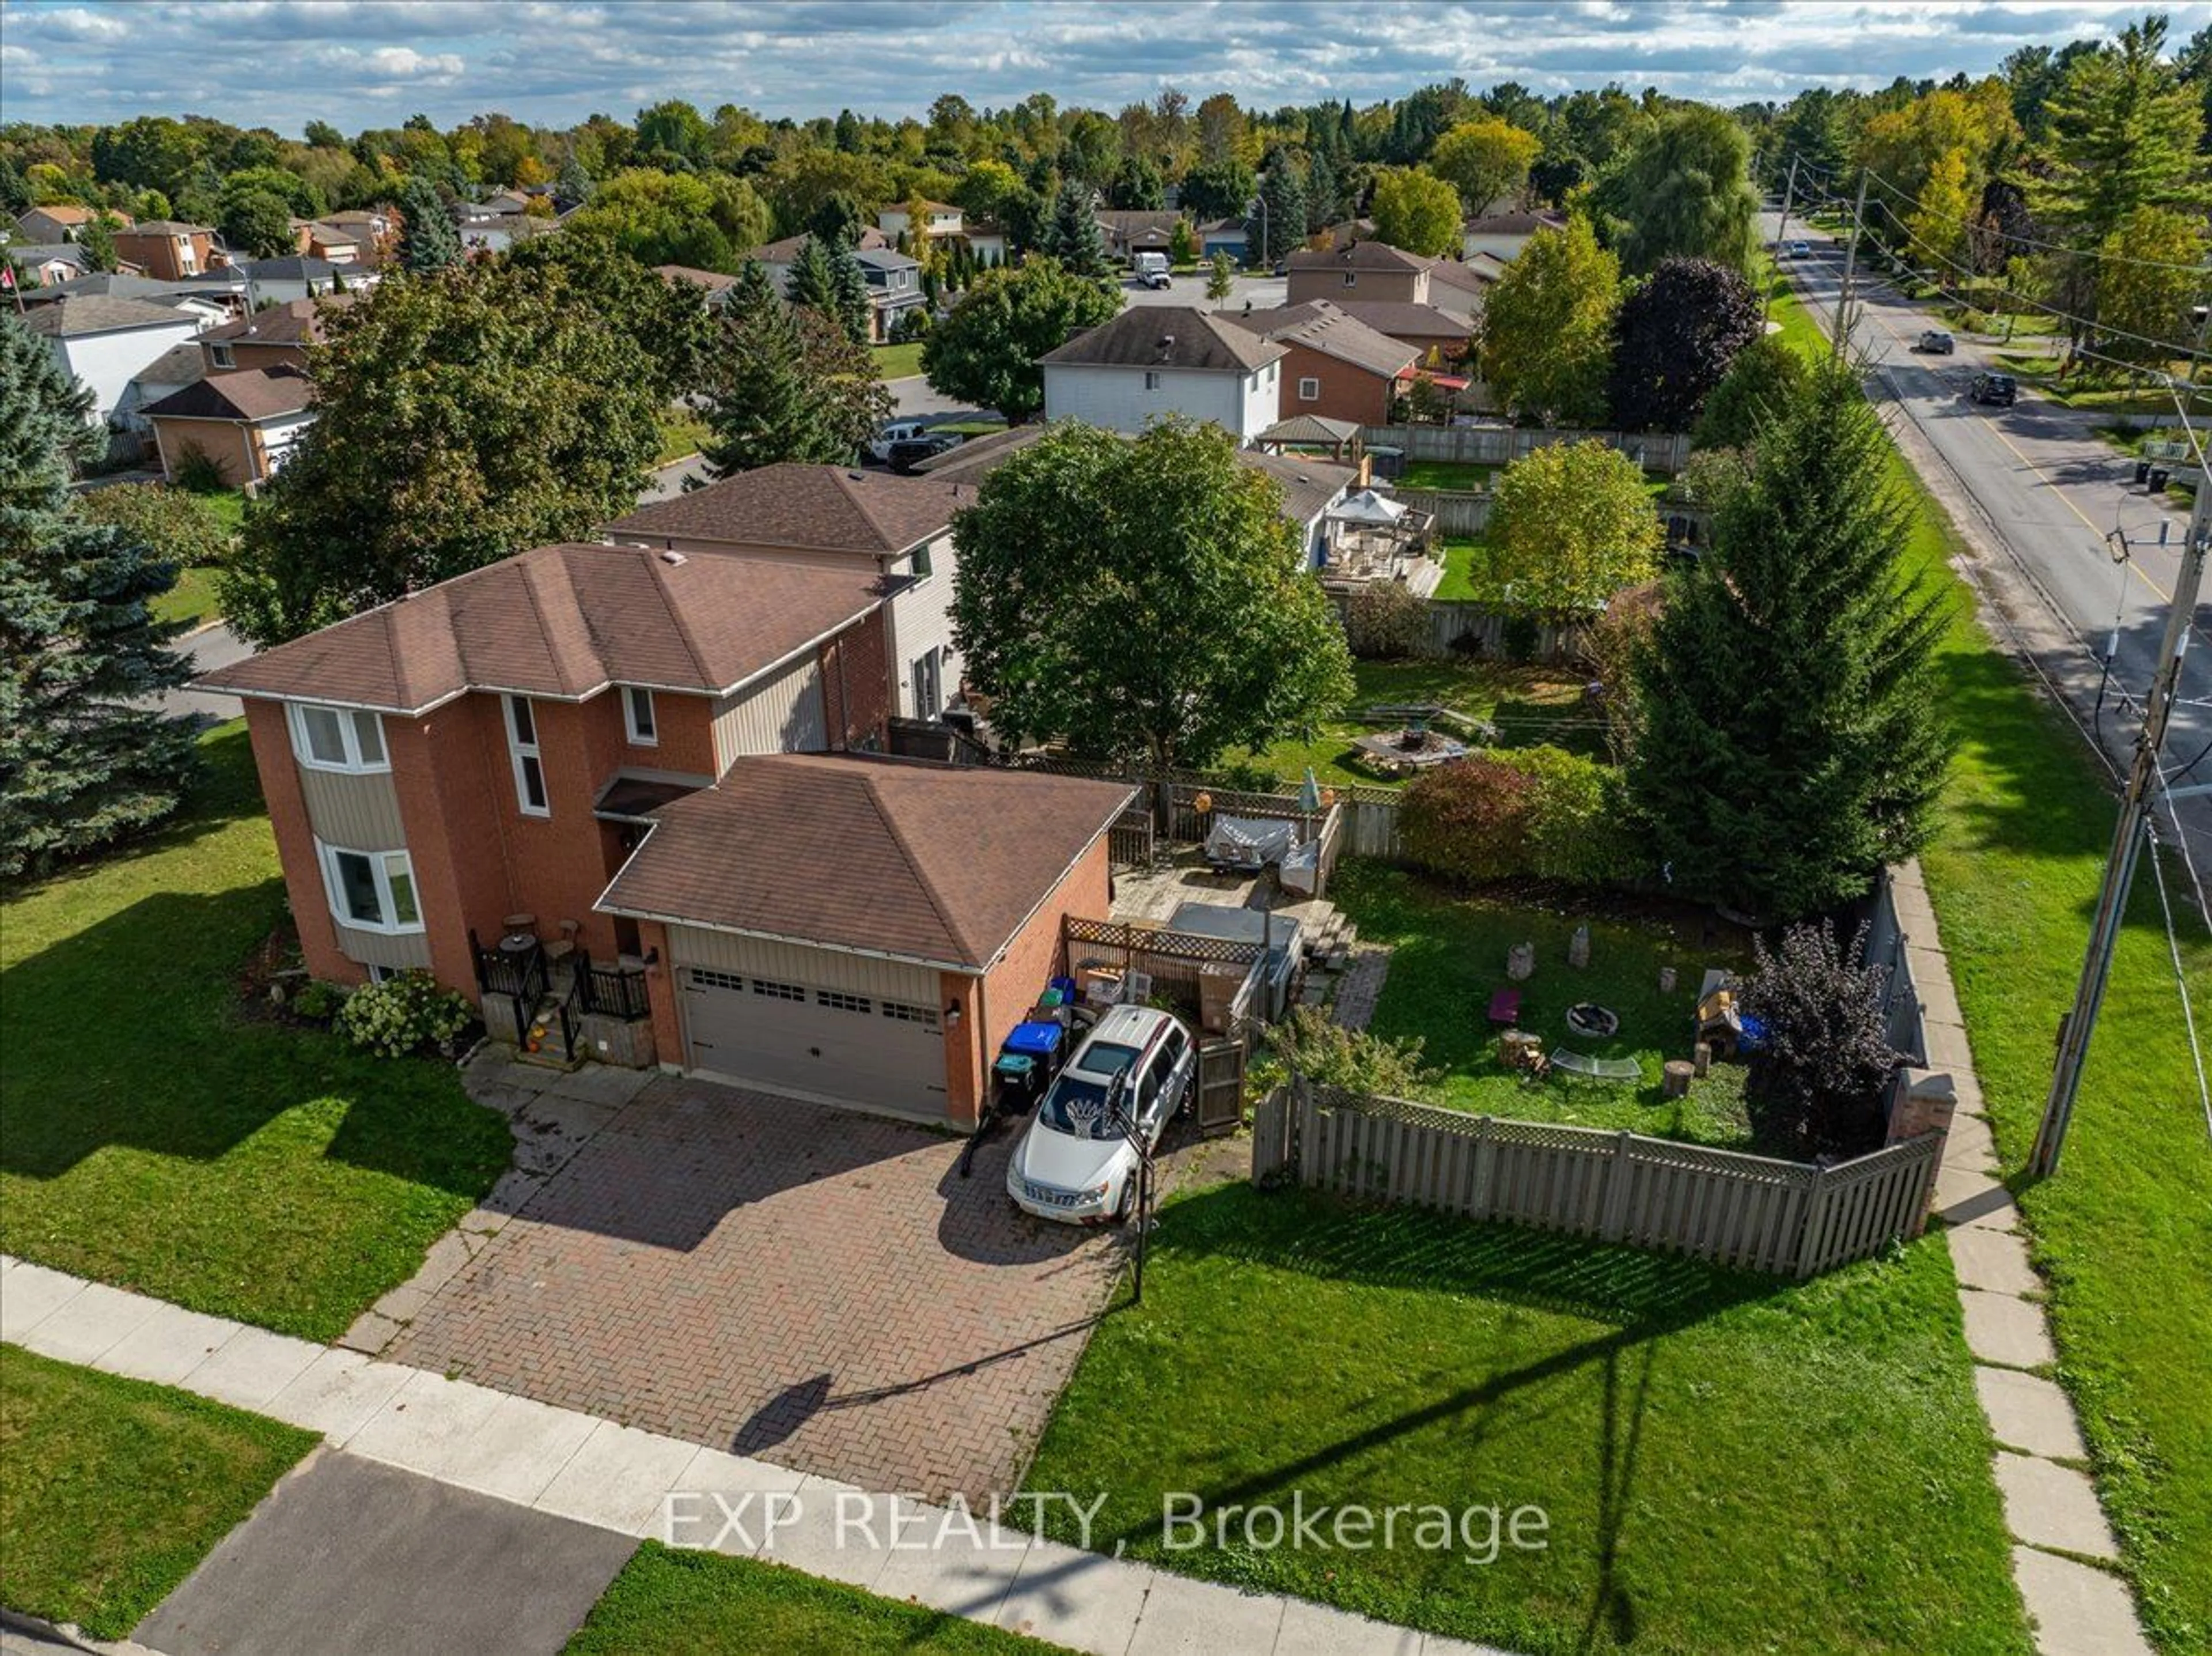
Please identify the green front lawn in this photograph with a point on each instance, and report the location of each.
(2123, 1231)
(703, 1604)
(1447, 957)
(897, 361)
(158, 1139)
(116, 1489)
(191, 600)
(1727, 1463)
(682, 431)
(1528, 705)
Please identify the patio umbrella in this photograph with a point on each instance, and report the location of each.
(1310, 800)
(1368, 507)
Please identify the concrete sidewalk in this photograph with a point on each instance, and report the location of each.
(615, 1477)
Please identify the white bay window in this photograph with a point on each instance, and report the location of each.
(373, 889)
(337, 738)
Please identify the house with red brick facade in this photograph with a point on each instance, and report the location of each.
(630, 799)
(1339, 367)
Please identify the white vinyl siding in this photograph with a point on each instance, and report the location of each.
(761, 958)
(782, 715)
(337, 738)
(370, 890)
(530, 794)
(921, 621)
(1120, 399)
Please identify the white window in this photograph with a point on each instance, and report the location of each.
(373, 889)
(1351, 278)
(637, 716)
(522, 749)
(1309, 389)
(337, 738)
(1151, 381)
(223, 358)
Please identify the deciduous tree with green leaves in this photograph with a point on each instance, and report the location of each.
(1143, 600)
(1762, 381)
(1791, 741)
(464, 416)
(1220, 279)
(2150, 272)
(1546, 332)
(786, 382)
(1572, 524)
(1685, 191)
(987, 351)
(83, 761)
(1416, 211)
(1484, 159)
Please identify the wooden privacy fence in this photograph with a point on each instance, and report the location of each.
(1501, 445)
(1792, 1218)
(1459, 624)
(1460, 514)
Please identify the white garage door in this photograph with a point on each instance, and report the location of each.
(836, 1044)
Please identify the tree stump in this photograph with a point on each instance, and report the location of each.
(1701, 1056)
(1578, 948)
(1678, 1073)
(1520, 962)
(1666, 980)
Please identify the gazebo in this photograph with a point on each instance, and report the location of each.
(1310, 434)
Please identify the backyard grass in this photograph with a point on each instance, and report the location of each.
(1446, 474)
(116, 1489)
(2123, 1231)
(682, 430)
(704, 1604)
(157, 1140)
(191, 600)
(1727, 1463)
(897, 361)
(1448, 957)
(1528, 705)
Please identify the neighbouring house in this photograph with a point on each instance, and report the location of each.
(275, 337)
(893, 289)
(48, 264)
(1502, 235)
(501, 202)
(61, 221)
(778, 256)
(1134, 230)
(715, 286)
(831, 516)
(1339, 367)
(318, 240)
(1460, 285)
(647, 757)
(281, 281)
(987, 241)
(1425, 329)
(106, 341)
(165, 375)
(169, 250)
(369, 229)
(941, 222)
(483, 231)
(1370, 271)
(861, 930)
(1223, 235)
(247, 422)
(208, 300)
(1153, 359)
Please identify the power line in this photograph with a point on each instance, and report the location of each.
(1983, 226)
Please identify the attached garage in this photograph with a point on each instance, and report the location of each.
(861, 929)
(795, 1019)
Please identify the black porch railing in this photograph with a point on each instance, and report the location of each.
(522, 975)
(612, 991)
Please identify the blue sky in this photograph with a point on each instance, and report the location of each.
(359, 63)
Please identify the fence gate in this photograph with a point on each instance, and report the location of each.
(1219, 1087)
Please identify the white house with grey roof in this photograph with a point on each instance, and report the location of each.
(106, 343)
(1155, 360)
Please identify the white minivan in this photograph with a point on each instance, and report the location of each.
(1076, 1163)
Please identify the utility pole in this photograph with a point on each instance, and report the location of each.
(1840, 335)
(1782, 234)
(2136, 801)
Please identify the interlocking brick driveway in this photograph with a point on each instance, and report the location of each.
(810, 1286)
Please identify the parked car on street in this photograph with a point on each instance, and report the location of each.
(1998, 388)
(1936, 341)
(1152, 270)
(911, 452)
(1076, 1163)
(898, 431)
(1800, 250)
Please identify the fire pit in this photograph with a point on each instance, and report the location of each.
(1414, 745)
(1591, 1021)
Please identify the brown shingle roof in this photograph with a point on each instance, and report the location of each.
(783, 251)
(1470, 279)
(256, 393)
(712, 281)
(295, 322)
(76, 314)
(1168, 336)
(821, 508)
(933, 863)
(565, 621)
(1391, 317)
(1320, 325)
(1356, 256)
(1308, 483)
(1513, 223)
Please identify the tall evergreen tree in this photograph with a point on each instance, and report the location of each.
(1073, 237)
(428, 240)
(2124, 135)
(1788, 740)
(813, 279)
(1283, 226)
(854, 311)
(84, 762)
(787, 384)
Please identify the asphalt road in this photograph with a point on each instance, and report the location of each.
(2035, 486)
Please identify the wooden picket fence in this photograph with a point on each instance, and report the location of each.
(1756, 1213)
(1501, 445)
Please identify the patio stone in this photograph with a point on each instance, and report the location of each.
(2079, 1610)
(1074, 1597)
(29, 1294)
(1994, 1261)
(2002, 1330)
(1970, 1144)
(2029, 1413)
(371, 1331)
(1947, 1047)
(2047, 1505)
(1183, 1617)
